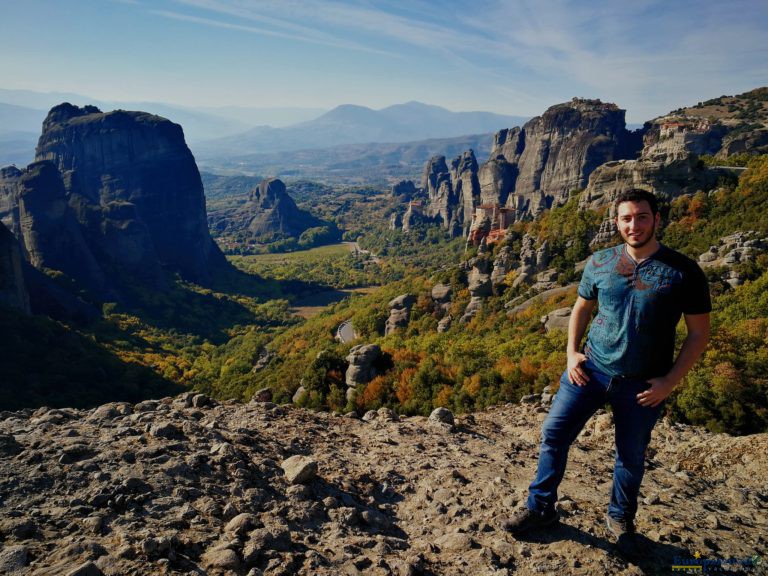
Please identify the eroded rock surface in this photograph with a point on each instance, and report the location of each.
(96, 491)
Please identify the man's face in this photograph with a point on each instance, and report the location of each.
(636, 223)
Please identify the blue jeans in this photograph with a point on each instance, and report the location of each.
(572, 407)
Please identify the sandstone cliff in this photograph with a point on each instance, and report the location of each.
(564, 146)
(135, 189)
(13, 291)
(269, 214)
(187, 485)
(532, 167)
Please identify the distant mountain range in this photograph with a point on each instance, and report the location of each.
(216, 134)
(22, 113)
(350, 124)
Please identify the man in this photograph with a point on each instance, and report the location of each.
(641, 288)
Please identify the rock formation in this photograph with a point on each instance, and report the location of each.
(667, 168)
(557, 319)
(441, 294)
(502, 265)
(529, 168)
(135, 189)
(563, 147)
(50, 234)
(361, 368)
(191, 486)
(479, 285)
(269, 214)
(13, 291)
(414, 215)
(399, 313)
(404, 191)
(731, 250)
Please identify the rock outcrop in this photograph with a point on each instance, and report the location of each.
(557, 319)
(186, 486)
(13, 291)
(731, 250)
(361, 368)
(562, 147)
(503, 264)
(135, 190)
(404, 191)
(529, 168)
(667, 168)
(479, 285)
(399, 313)
(269, 214)
(50, 234)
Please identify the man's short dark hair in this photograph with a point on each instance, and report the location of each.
(637, 195)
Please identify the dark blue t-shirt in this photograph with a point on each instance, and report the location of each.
(639, 306)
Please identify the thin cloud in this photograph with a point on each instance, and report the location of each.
(368, 25)
(313, 39)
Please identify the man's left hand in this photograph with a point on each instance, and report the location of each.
(660, 388)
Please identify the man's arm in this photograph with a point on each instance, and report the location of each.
(577, 325)
(692, 349)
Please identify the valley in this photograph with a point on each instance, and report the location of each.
(244, 285)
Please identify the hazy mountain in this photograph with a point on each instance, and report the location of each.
(350, 124)
(275, 117)
(24, 110)
(367, 163)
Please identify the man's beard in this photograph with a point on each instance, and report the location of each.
(637, 242)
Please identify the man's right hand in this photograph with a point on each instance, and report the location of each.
(576, 371)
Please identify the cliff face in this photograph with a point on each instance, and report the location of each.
(134, 188)
(49, 232)
(532, 167)
(269, 214)
(13, 291)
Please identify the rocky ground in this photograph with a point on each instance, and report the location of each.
(189, 486)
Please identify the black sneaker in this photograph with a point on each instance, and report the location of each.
(525, 519)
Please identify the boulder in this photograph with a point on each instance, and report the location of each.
(441, 416)
(300, 391)
(262, 395)
(557, 319)
(299, 469)
(361, 359)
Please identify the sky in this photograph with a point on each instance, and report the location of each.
(513, 57)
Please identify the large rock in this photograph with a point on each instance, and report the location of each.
(557, 319)
(663, 169)
(404, 191)
(135, 189)
(299, 469)
(502, 265)
(13, 291)
(442, 201)
(53, 238)
(566, 144)
(399, 313)
(361, 359)
(269, 214)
